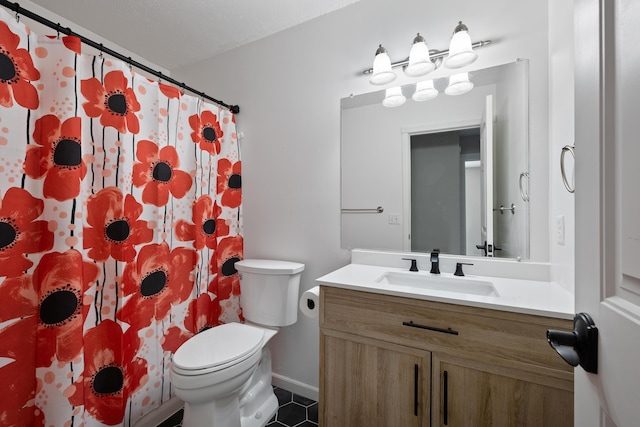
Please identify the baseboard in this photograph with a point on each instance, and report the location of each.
(161, 413)
(294, 386)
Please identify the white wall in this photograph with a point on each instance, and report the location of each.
(77, 28)
(288, 87)
(561, 121)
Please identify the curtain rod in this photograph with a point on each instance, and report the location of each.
(235, 109)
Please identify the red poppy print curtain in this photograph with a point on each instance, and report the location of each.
(120, 225)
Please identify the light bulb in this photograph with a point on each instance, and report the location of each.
(460, 50)
(394, 97)
(459, 84)
(424, 91)
(382, 73)
(419, 61)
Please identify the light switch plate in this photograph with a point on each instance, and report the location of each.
(394, 218)
(560, 229)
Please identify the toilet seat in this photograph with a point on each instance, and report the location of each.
(217, 348)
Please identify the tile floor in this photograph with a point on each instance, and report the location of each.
(293, 411)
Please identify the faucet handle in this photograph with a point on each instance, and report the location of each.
(459, 271)
(414, 266)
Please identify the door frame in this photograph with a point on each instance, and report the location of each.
(407, 133)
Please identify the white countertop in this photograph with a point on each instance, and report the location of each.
(516, 295)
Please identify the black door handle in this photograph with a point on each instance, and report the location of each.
(487, 249)
(579, 347)
(483, 247)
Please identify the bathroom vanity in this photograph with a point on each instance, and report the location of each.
(395, 353)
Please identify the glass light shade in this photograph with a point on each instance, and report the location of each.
(459, 84)
(460, 51)
(393, 97)
(424, 91)
(382, 72)
(419, 61)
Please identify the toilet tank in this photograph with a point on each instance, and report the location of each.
(269, 291)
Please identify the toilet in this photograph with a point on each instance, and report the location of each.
(223, 374)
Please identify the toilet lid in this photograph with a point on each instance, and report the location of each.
(218, 346)
(268, 266)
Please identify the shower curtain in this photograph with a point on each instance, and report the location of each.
(120, 225)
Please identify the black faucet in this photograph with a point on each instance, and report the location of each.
(435, 261)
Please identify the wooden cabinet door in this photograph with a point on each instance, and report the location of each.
(365, 383)
(468, 393)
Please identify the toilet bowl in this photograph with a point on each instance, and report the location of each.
(223, 374)
(211, 373)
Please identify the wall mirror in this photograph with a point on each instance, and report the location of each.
(450, 173)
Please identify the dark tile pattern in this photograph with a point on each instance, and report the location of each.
(293, 411)
(174, 420)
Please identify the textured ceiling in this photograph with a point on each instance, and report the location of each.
(177, 33)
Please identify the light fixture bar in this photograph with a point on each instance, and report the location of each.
(433, 54)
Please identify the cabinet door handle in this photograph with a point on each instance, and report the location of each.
(416, 376)
(445, 410)
(430, 328)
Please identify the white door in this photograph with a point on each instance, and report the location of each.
(607, 196)
(486, 168)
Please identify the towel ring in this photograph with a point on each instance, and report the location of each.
(571, 149)
(524, 194)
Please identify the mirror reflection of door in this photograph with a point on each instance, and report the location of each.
(451, 189)
(487, 238)
(446, 191)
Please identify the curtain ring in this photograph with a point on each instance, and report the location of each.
(130, 65)
(101, 51)
(571, 149)
(58, 30)
(17, 9)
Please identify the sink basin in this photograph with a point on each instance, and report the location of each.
(459, 285)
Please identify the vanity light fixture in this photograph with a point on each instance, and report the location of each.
(459, 84)
(419, 61)
(425, 91)
(382, 72)
(460, 50)
(393, 97)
